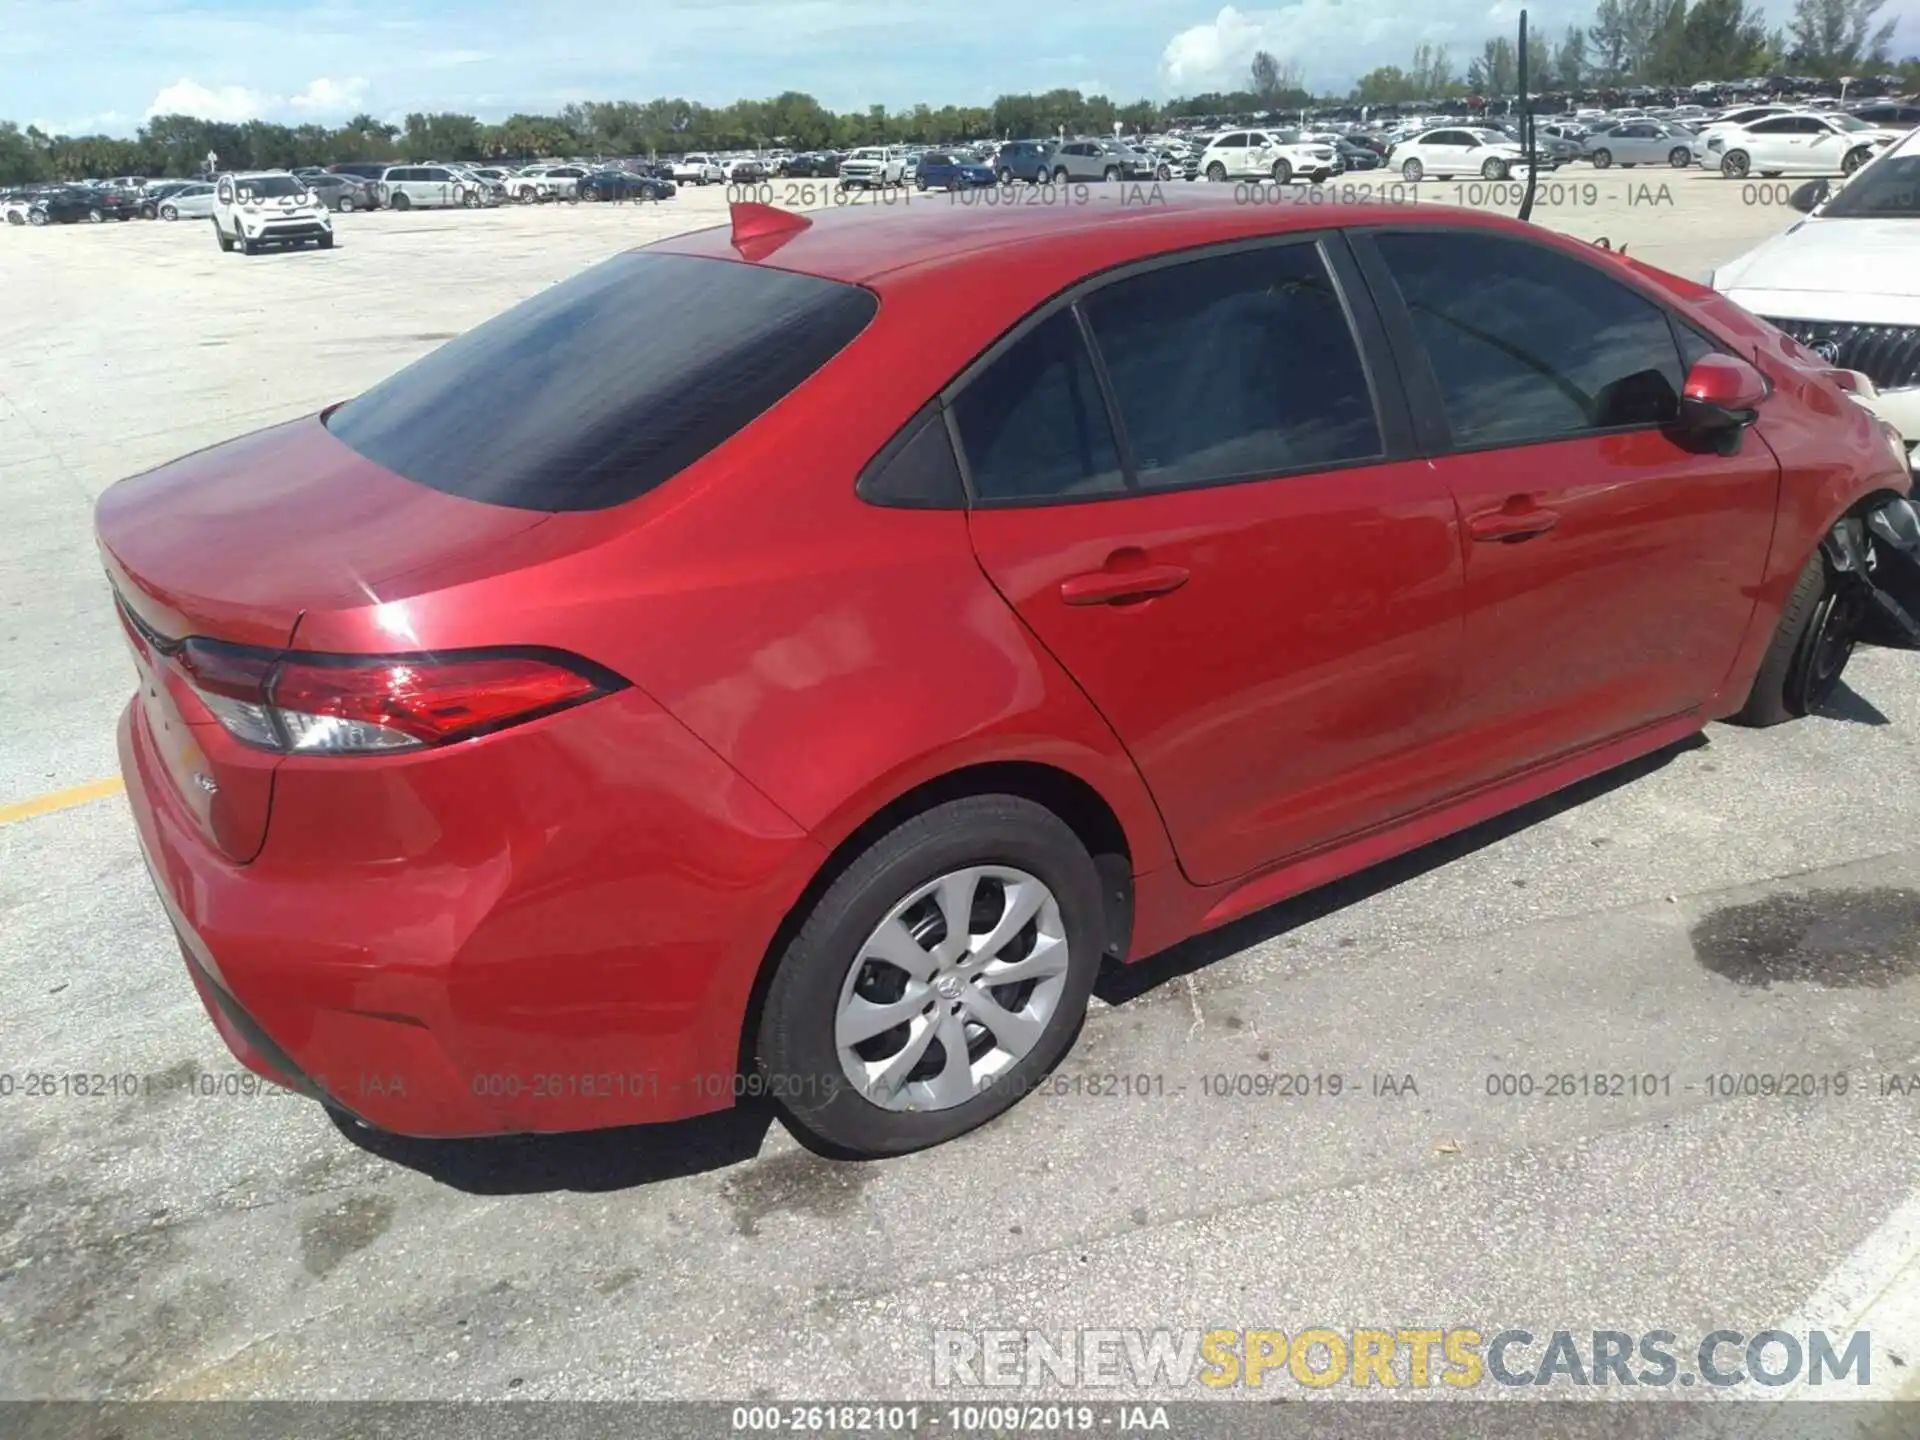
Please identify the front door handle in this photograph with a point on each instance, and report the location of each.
(1110, 587)
(1511, 523)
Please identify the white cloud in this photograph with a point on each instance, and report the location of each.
(235, 104)
(330, 97)
(230, 104)
(1329, 40)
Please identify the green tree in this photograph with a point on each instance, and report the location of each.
(1839, 37)
(1570, 63)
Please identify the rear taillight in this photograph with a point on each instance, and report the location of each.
(305, 704)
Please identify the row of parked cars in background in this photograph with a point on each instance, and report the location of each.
(350, 185)
(1811, 135)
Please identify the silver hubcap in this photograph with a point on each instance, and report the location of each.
(952, 988)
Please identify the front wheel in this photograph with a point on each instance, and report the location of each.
(226, 240)
(1736, 165)
(1060, 176)
(1854, 160)
(1680, 157)
(1818, 628)
(1110, 174)
(939, 978)
(1216, 172)
(1282, 173)
(402, 201)
(94, 217)
(1494, 169)
(169, 212)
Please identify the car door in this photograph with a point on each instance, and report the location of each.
(1247, 571)
(1629, 143)
(1448, 149)
(1230, 153)
(1610, 568)
(1771, 144)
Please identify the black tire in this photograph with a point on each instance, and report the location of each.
(1810, 649)
(795, 1045)
(1216, 172)
(1060, 176)
(1005, 176)
(248, 246)
(1679, 157)
(326, 242)
(1494, 169)
(1854, 159)
(1110, 175)
(94, 217)
(1413, 172)
(169, 212)
(1602, 159)
(226, 240)
(1736, 164)
(1282, 173)
(401, 200)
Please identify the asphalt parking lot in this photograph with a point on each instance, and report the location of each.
(1747, 906)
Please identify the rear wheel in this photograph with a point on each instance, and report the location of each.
(169, 212)
(1494, 169)
(94, 217)
(1216, 172)
(938, 978)
(1679, 157)
(1811, 646)
(1006, 176)
(1602, 159)
(401, 200)
(326, 242)
(1736, 164)
(1413, 172)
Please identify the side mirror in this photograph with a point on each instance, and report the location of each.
(1721, 398)
(1809, 195)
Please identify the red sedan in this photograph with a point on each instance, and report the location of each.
(788, 659)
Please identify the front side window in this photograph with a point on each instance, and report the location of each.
(1234, 366)
(1527, 344)
(1033, 424)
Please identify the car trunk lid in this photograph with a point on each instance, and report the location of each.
(199, 549)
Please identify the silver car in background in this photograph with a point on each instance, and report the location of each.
(1644, 142)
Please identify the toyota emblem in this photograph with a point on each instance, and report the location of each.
(1827, 350)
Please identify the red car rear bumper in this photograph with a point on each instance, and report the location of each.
(554, 928)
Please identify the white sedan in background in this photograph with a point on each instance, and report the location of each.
(1806, 143)
(1458, 150)
(1845, 282)
(194, 202)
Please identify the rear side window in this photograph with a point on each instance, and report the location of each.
(1527, 344)
(1033, 425)
(1233, 367)
(605, 385)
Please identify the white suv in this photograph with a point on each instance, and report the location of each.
(268, 207)
(1282, 155)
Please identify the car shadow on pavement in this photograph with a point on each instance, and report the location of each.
(587, 1161)
(1846, 703)
(1119, 984)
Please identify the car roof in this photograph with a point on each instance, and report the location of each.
(869, 246)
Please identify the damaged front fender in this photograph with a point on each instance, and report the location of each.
(1875, 554)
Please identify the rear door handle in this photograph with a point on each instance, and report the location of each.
(1511, 524)
(1108, 587)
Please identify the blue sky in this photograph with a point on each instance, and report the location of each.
(104, 65)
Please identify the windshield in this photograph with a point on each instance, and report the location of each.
(270, 187)
(1889, 189)
(1848, 122)
(1284, 137)
(869, 155)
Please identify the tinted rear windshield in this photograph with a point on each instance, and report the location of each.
(605, 385)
